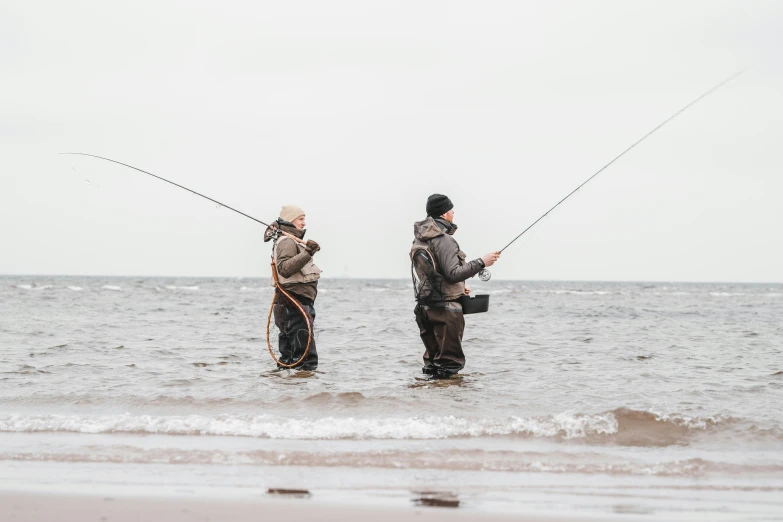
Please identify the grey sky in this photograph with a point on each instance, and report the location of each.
(357, 111)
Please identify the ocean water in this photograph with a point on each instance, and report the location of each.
(577, 396)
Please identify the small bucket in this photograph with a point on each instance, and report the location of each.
(475, 304)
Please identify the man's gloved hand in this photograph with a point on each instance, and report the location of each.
(312, 247)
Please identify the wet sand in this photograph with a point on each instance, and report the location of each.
(34, 507)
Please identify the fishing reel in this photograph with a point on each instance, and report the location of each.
(272, 233)
(485, 275)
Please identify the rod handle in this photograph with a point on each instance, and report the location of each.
(301, 242)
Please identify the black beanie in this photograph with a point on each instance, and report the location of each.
(438, 204)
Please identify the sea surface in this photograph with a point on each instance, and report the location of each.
(636, 400)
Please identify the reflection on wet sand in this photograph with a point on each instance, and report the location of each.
(436, 499)
(293, 493)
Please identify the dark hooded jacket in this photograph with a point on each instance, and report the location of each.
(290, 258)
(437, 235)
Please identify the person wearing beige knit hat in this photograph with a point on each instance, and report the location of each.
(298, 276)
(292, 213)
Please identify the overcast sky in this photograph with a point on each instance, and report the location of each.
(357, 111)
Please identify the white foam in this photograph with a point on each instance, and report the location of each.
(75, 288)
(573, 292)
(725, 294)
(566, 425)
(449, 459)
(25, 287)
(173, 287)
(111, 287)
(699, 423)
(497, 291)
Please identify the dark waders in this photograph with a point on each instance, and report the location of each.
(441, 331)
(292, 339)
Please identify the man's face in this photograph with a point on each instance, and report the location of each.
(299, 222)
(449, 216)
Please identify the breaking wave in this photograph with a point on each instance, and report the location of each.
(621, 427)
(33, 287)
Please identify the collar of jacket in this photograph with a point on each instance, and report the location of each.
(447, 227)
(287, 227)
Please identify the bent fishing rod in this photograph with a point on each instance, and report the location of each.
(189, 190)
(637, 142)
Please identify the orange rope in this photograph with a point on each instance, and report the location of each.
(269, 321)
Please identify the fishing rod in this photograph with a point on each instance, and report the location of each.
(186, 188)
(670, 118)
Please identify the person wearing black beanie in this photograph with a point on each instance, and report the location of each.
(439, 269)
(438, 204)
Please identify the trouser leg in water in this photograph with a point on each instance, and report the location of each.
(292, 339)
(441, 332)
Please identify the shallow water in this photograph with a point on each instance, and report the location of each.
(638, 380)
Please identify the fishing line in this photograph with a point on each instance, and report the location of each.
(670, 118)
(167, 181)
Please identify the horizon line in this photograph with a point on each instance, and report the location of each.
(672, 281)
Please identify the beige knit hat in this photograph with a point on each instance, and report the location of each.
(290, 213)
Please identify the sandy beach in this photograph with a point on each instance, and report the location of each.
(62, 508)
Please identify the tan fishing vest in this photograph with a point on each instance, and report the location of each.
(307, 274)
